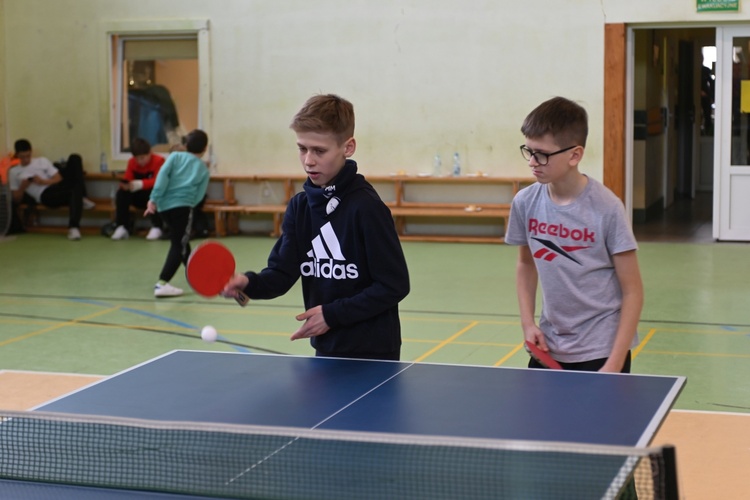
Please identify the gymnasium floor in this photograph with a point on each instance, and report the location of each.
(71, 312)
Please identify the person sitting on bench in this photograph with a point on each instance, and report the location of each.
(135, 189)
(42, 181)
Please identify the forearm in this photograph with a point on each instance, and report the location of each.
(629, 276)
(630, 314)
(281, 272)
(269, 283)
(526, 287)
(52, 180)
(17, 194)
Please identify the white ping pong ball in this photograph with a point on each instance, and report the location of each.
(209, 334)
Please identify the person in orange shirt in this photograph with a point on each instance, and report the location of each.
(5, 163)
(135, 190)
(9, 220)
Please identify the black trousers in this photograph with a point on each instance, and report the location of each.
(180, 221)
(585, 366)
(124, 199)
(69, 191)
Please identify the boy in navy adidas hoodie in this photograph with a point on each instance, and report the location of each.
(339, 237)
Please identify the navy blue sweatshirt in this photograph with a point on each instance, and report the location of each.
(342, 241)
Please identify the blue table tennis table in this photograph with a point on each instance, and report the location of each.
(394, 398)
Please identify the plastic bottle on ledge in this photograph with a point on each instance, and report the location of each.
(437, 165)
(456, 165)
(103, 163)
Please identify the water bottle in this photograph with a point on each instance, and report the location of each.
(103, 163)
(456, 165)
(437, 165)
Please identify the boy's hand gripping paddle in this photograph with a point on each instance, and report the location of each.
(542, 357)
(210, 266)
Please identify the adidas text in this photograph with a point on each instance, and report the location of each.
(328, 269)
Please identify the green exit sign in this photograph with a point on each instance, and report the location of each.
(718, 5)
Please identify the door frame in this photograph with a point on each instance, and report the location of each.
(617, 150)
(727, 209)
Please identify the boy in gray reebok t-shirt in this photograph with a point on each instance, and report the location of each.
(575, 240)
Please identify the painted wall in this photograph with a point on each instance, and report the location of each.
(425, 76)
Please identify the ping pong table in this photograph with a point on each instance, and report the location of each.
(372, 397)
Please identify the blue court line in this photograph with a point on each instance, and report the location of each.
(158, 317)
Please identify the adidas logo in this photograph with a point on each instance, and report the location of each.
(327, 259)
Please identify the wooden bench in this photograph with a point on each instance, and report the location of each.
(479, 200)
(400, 214)
(31, 215)
(400, 192)
(101, 188)
(439, 203)
(227, 214)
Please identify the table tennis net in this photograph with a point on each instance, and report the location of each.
(233, 461)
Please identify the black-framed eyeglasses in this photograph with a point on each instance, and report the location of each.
(541, 158)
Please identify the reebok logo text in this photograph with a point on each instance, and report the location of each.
(537, 228)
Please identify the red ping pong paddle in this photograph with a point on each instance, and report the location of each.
(542, 357)
(210, 266)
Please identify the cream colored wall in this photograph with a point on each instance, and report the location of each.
(662, 11)
(425, 76)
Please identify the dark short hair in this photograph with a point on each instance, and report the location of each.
(196, 142)
(326, 113)
(22, 145)
(563, 119)
(140, 146)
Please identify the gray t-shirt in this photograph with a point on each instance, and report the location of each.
(572, 246)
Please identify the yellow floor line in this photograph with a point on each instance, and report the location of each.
(446, 341)
(509, 355)
(645, 340)
(56, 326)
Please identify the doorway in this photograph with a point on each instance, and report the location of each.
(673, 72)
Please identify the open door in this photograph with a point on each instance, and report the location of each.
(732, 135)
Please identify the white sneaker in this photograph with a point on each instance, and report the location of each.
(153, 234)
(74, 234)
(166, 290)
(88, 204)
(120, 233)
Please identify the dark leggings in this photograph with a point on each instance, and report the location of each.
(124, 199)
(69, 191)
(180, 221)
(586, 366)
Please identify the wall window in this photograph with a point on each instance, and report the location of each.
(155, 80)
